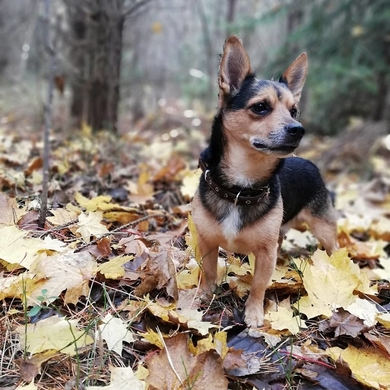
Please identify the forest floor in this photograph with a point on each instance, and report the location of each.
(105, 296)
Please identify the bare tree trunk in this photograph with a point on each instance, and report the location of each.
(78, 28)
(97, 29)
(105, 45)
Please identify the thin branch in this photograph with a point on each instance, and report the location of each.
(122, 227)
(48, 117)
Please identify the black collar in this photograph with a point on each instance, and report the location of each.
(239, 197)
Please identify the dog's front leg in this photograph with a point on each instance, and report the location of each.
(209, 253)
(265, 261)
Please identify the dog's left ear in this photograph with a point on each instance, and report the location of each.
(295, 75)
(233, 68)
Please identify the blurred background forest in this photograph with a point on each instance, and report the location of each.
(117, 63)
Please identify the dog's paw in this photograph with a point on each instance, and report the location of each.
(254, 317)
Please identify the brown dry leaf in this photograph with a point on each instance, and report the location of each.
(33, 165)
(10, 212)
(343, 323)
(31, 367)
(239, 363)
(380, 229)
(158, 272)
(380, 341)
(169, 171)
(66, 271)
(175, 368)
(133, 244)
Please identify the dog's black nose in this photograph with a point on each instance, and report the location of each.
(296, 131)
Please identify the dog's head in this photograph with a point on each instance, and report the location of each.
(262, 114)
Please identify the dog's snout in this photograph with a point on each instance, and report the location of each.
(296, 131)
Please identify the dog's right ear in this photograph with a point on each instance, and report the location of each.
(233, 68)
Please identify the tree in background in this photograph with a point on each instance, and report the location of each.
(96, 51)
(348, 42)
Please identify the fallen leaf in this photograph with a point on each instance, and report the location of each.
(340, 280)
(114, 331)
(158, 272)
(284, 319)
(343, 323)
(90, 225)
(18, 250)
(114, 269)
(53, 333)
(65, 271)
(368, 365)
(176, 368)
(122, 378)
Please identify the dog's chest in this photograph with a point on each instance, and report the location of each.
(231, 224)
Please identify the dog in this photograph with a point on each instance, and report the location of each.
(252, 190)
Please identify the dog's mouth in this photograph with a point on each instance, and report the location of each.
(279, 149)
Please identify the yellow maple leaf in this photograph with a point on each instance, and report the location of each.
(17, 250)
(90, 225)
(113, 269)
(188, 278)
(215, 342)
(153, 338)
(368, 365)
(284, 319)
(53, 333)
(101, 202)
(330, 282)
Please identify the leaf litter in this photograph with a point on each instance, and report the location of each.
(106, 296)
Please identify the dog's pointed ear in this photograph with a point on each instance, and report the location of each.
(233, 68)
(295, 75)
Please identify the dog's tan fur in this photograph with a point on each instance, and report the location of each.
(242, 164)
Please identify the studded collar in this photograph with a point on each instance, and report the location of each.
(239, 197)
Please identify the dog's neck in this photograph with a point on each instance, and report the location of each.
(245, 167)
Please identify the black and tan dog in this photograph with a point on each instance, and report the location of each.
(251, 192)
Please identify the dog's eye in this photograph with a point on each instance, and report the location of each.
(259, 108)
(294, 113)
